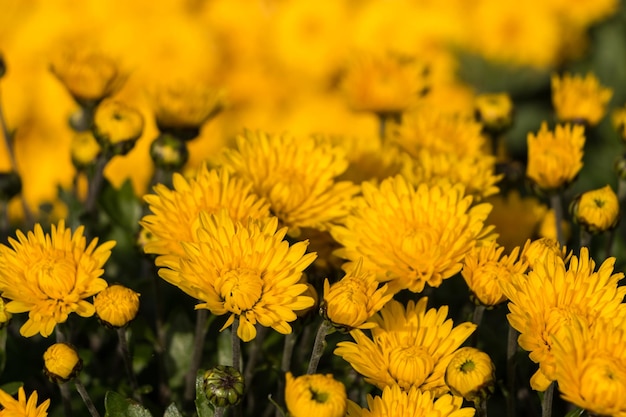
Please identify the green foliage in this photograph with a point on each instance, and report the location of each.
(118, 406)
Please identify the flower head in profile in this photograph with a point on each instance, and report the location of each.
(350, 302)
(116, 305)
(494, 111)
(296, 176)
(315, 395)
(51, 275)
(117, 126)
(484, 267)
(549, 298)
(471, 374)
(591, 366)
(578, 99)
(410, 347)
(245, 270)
(596, 210)
(175, 212)
(411, 236)
(22, 407)
(84, 149)
(555, 158)
(410, 403)
(61, 362)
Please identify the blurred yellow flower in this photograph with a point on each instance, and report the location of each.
(116, 305)
(351, 301)
(61, 362)
(315, 395)
(494, 111)
(585, 13)
(579, 100)
(51, 275)
(547, 226)
(410, 403)
(84, 149)
(597, 210)
(296, 176)
(471, 374)
(484, 267)
(22, 407)
(175, 211)
(245, 270)
(591, 366)
(411, 236)
(618, 118)
(117, 125)
(555, 158)
(544, 303)
(410, 347)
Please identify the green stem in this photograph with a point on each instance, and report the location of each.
(86, 398)
(546, 404)
(557, 206)
(318, 347)
(202, 315)
(96, 181)
(481, 408)
(219, 411)
(477, 317)
(128, 363)
(585, 238)
(236, 341)
(511, 350)
(285, 366)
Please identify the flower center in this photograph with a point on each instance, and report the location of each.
(410, 366)
(467, 366)
(240, 289)
(318, 396)
(55, 276)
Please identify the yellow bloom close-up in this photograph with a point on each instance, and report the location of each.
(245, 270)
(410, 347)
(315, 395)
(61, 362)
(116, 305)
(471, 374)
(555, 157)
(411, 236)
(578, 99)
(597, 210)
(22, 407)
(51, 275)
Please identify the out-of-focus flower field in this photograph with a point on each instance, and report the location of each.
(297, 208)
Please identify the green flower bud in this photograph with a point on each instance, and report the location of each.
(168, 152)
(224, 386)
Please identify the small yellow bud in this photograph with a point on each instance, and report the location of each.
(597, 210)
(471, 374)
(84, 149)
(534, 252)
(116, 305)
(61, 362)
(494, 111)
(117, 126)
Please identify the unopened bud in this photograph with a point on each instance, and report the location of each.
(168, 152)
(61, 362)
(224, 386)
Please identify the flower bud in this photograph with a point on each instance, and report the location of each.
(596, 211)
(84, 150)
(10, 185)
(5, 316)
(117, 126)
(223, 386)
(61, 362)
(471, 374)
(494, 111)
(116, 305)
(168, 152)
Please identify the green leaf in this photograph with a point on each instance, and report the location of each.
(575, 413)
(178, 348)
(225, 347)
(11, 387)
(117, 405)
(172, 411)
(121, 205)
(202, 402)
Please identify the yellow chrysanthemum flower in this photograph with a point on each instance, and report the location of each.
(484, 267)
(591, 366)
(410, 347)
(117, 125)
(315, 395)
(84, 149)
(296, 176)
(536, 251)
(555, 158)
(411, 236)
(471, 374)
(51, 275)
(350, 302)
(579, 100)
(61, 362)
(242, 269)
(175, 212)
(547, 300)
(22, 407)
(494, 111)
(596, 210)
(116, 305)
(412, 403)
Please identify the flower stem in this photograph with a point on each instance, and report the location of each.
(219, 411)
(477, 317)
(557, 206)
(96, 181)
(198, 345)
(585, 238)
(86, 398)
(236, 341)
(481, 408)
(546, 404)
(318, 347)
(121, 334)
(511, 349)
(285, 365)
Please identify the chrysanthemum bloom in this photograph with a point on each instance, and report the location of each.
(476, 174)
(411, 236)
(61, 362)
(296, 175)
(536, 251)
(596, 210)
(117, 126)
(22, 407)
(471, 374)
(245, 270)
(350, 302)
(116, 305)
(591, 366)
(411, 403)
(545, 302)
(84, 149)
(555, 158)
(175, 212)
(410, 347)
(315, 395)
(51, 275)
(579, 100)
(484, 267)
(494, 111)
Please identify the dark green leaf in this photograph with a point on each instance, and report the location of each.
(172, 411)
(11, 387)
(575, 413)
(202, 402)
(117, 405)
